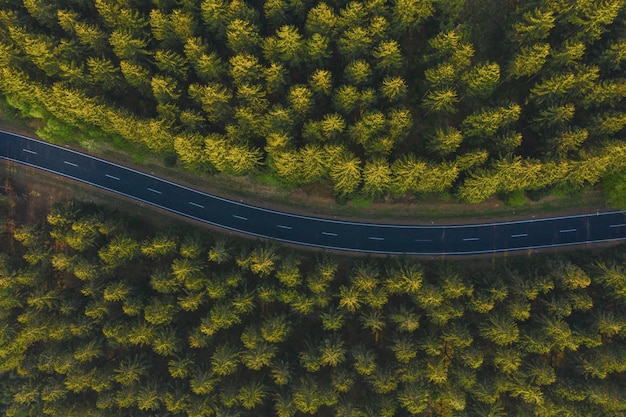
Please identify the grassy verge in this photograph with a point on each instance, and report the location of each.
(35, 192)
(317, 199)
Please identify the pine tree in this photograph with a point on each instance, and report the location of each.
(500, 329)
(332, 126)
(404, 348)
(308, 396)
(202, 381)
(242, 36)
(592, 19)
(354, 43)
(332, 352)
(275, 329)
(225, 359)
(364, 360)
(289, 45)
(388, 56)
(345, 173)
(446, 141)
(130, 370)
(214, 99)
(252, 394)
(258, 357)
(394, 89)
(487, 123)
(569, 55)
(482, 80)
(171, 63)
(301, 99)
(214, 16)
(120, 250)
(321, 19)
(441, 101)
(534, 26)
(104, 73)
(376, 177)
(128, 47)
(346, 99)
(407, 15)
(529, 60)
(357, 72)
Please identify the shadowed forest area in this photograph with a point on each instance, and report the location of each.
(106, 314)
(376, 98)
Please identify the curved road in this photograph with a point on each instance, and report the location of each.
(312, 231)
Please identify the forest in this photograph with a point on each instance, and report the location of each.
(103, 314)
(106, 313)
(374, 97)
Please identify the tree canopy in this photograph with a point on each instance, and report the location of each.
(102, 315)
(385, 81)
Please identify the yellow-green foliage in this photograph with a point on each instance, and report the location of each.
(235, 86)
(186, 321)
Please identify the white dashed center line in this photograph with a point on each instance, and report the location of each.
(196, 204)
(112, 177)
(70, 163)
(520, 235)
(280, 226)
(329, 234)
(469, 239)
(567, 230)
(29, 151)
(155, 191)
(376, 238)
(240, 217)
(423, 240)
(618, 225)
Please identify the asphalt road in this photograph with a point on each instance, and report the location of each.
(312, 231)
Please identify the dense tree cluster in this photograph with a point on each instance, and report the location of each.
(100, 320)
(376, 96)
